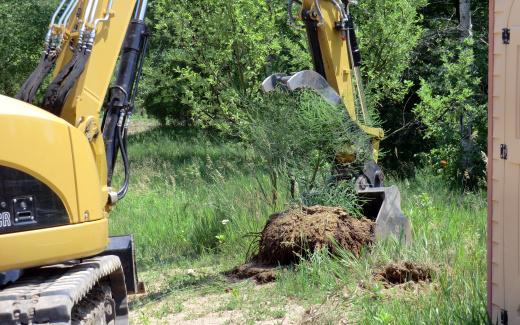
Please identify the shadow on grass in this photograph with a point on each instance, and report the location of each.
(179, 148)
(207, 283)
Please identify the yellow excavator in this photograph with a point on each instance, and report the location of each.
(58, 264)
(337, 78)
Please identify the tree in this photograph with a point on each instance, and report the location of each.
(388, 31)
(465, 26)
(209, 57)
(205, 69)
(23, 25)
(452, 106)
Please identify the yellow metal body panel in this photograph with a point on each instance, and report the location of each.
(59, 155)
(66, 153)
(86, 98)
(54, 152)
(335, 55)
(53, 245)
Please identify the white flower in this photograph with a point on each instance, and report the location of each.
(225, 222)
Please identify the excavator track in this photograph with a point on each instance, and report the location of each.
(49, 295)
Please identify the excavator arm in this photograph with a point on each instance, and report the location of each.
(336, 77)
(336, 58)
(82, 46)
(56, 168)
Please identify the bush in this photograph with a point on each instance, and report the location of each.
(388, 32)
(297, 136)
(207, 70)
(455, 118)
(209, 57)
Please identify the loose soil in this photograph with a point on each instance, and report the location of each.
(293, 234)
(403, 272)
(253, 270)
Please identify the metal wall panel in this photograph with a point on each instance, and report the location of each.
(504, 185)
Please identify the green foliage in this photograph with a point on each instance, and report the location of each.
(191, 194)
(208, 70)
(388, 32)
(23, 25)
(455, 117)
(457, 294)
(440, 43)
(209, 57)
(190, 183)
(299, 135)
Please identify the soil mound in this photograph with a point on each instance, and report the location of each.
(295, 233)
(399, 273)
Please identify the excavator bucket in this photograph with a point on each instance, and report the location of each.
(383, 205)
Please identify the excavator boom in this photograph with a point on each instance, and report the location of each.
(337, 78)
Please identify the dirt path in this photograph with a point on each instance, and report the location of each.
(206, 296)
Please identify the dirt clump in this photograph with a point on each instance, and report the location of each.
(297, 232)
(293, 234)
(260, 273)
(403, 272)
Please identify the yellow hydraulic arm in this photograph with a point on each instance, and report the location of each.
(64, 150)
(336, 59)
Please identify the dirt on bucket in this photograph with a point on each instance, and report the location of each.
(403, 272)
(297, 232)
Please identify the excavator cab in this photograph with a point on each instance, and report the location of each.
(337, 79)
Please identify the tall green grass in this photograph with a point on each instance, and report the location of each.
(448, 235)
(189, 195)
(194, 196)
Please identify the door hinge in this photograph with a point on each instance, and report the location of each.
(503, 317)
(503, 151)
(506, 35)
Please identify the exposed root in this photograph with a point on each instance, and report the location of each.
(298, 232)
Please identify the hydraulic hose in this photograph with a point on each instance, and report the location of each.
(92, 36)
(121, 97)
(93, 12)
(28, 90)
(52, 49)
(140, 11)
(124, 154)
(68, 12)
(53, 20)
(340, 8)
